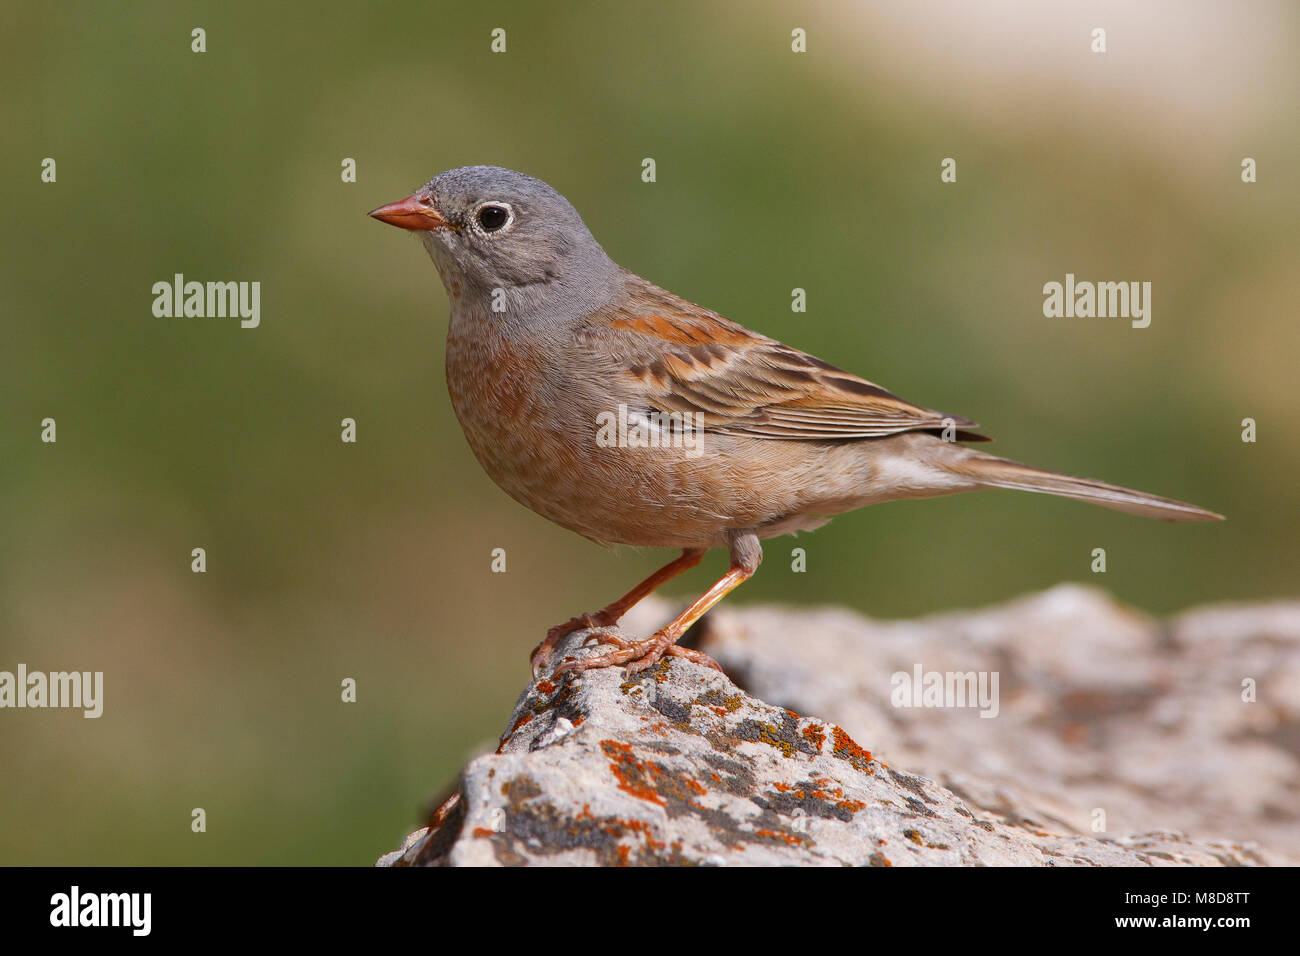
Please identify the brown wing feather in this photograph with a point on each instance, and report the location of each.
(689, 359)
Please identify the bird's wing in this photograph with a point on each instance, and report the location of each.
(684, 358)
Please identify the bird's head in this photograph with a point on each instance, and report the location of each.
(489, 229)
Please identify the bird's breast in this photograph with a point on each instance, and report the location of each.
(519, 420)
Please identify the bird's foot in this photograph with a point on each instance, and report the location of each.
(637, 655)
(541, 655)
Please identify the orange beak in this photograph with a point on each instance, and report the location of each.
(409, 213)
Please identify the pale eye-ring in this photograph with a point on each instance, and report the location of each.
(494, 216)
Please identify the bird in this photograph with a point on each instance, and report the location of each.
(633, 416)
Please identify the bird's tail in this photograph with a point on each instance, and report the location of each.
(990, 472)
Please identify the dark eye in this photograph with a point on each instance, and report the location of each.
(492, 217)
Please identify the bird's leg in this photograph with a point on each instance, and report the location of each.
(638, 655)
(610, 615)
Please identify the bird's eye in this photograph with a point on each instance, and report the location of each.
(493, 216)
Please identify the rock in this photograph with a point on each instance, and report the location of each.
(1105, 714)
(1102, 714)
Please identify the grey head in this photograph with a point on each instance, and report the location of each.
(501, 238)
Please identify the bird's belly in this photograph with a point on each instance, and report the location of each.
(536, 436)
(530, 441)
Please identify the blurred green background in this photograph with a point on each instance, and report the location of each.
(775, 170)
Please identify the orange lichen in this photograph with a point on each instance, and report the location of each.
(629, 771)
(522, 721)
(776, 835)
(846, 748)
(814, 734)
(443, 811)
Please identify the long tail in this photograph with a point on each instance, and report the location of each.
(1000, 473)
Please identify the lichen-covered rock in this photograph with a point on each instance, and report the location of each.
(679, 766)
(1107, 718)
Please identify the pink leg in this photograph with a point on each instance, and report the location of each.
(611, 614)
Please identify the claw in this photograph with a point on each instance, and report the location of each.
(697, 657)
(572, 665)
(541, 655)
(605, 636)
(637, 655)
(650, 658)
